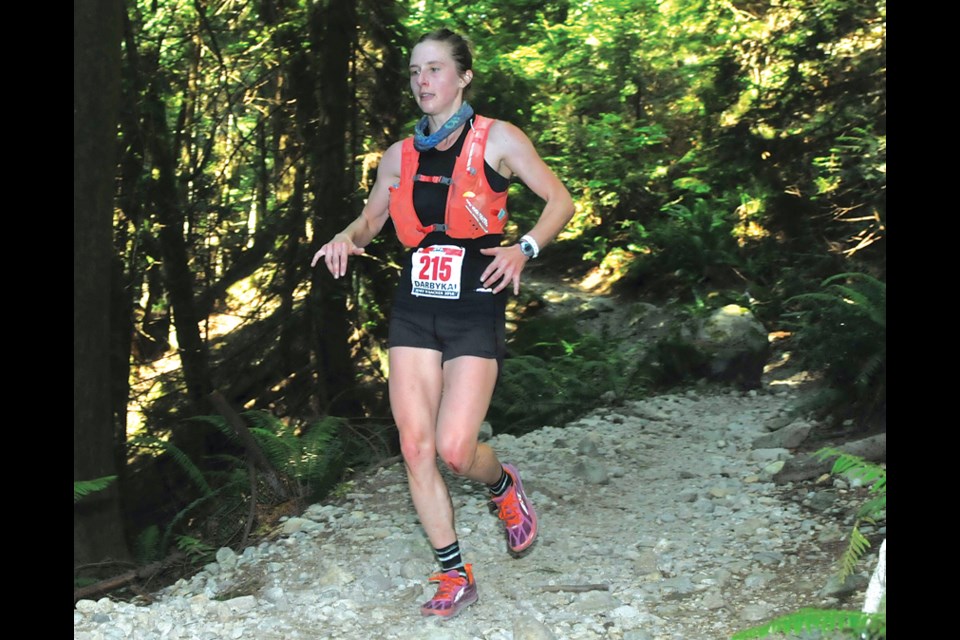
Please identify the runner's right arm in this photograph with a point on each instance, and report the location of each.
(367, 225)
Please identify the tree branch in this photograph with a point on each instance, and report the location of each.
(110, 584)
(576, 588)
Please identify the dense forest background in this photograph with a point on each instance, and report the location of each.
(718, 151)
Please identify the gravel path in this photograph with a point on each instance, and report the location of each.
(659, 521)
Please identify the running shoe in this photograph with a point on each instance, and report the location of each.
(517, 513)
(454, 593)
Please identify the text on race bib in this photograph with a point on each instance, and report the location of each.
(436, 270)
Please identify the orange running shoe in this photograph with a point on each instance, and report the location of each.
(454, 593)
(517, 513)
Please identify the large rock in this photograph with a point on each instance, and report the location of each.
(728, 346)
(789, 437)
(735, 346)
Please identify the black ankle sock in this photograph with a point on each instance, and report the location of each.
(450, 558)
(500, 486)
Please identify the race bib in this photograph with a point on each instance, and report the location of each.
(436, 271)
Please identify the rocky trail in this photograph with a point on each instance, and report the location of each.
(659, 520)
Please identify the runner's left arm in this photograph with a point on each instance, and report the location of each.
(520, 157)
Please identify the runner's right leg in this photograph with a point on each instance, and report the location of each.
(416, 387)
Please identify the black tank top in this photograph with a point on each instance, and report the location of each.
(430, 202)
(430, 198)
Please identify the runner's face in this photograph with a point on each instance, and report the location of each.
(436, 86)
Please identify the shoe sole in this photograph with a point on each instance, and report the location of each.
(512, 470)
(449, 613)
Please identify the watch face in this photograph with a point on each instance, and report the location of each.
(526, 248)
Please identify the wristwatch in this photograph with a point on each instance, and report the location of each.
(528, 248)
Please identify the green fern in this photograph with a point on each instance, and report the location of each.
(264, 428)
(841, 332)
(872, 507)
(871, 299)
(147, 545)
(157, 445)
(168, 533)
(196, 550)
(555, 373)
(870, 370)
(303, 455)
(875, 478)
(855, 549)
(82, 488)
(687, 241)
(319, 448)
(872, 296)
(855, 623)
(856, 468)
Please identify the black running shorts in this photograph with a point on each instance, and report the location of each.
(481, 334)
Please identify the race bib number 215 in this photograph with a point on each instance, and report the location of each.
(436, 271)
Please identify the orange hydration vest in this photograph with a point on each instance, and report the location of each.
(473, 208)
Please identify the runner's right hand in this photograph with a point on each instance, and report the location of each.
(335, 254)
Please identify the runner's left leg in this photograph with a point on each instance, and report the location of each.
(468, 383)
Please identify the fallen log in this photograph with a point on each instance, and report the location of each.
(122, 580)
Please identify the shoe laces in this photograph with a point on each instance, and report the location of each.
(448, 585)
(510, 508)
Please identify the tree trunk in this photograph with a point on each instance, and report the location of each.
(322, 89)
(293, 264)
(173, 248)
(168, 203)
(98, 531)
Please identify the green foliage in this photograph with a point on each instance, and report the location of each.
(856, 166)
(665, 120)
(342, 489)
(852, 624)
(841, 331)
(560, 374)
(688, 243)
(82, 488)
(792, 112)
(196, 550)
(146, 547)
(154, 541)
(158, 446)
(857, 546)
(636, 105)
(305, 455)
(868, 474)
(225, 497)
(81, 581)
(856, 468)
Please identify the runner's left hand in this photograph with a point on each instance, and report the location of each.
(508, 263)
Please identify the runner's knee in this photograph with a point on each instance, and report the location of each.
(417, 451)
(457, 455)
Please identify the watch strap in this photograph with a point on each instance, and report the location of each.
(534, 247)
